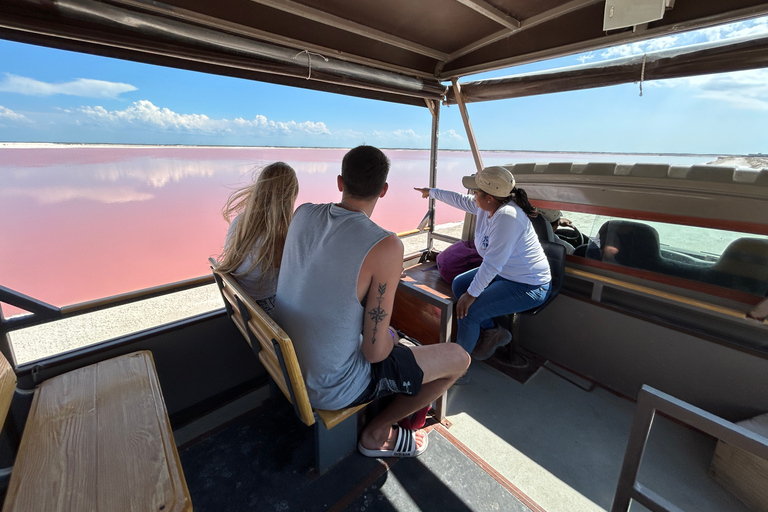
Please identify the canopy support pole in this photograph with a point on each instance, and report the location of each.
(434, 109)
(469, 220)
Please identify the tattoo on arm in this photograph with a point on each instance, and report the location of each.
(377, 314)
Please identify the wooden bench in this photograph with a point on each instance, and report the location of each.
(335, 431)
(96, 438)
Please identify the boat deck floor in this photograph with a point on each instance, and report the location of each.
(546, 445)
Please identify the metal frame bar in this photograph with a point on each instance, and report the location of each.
(234, 28)
(434, 109)
(469, 219)
(650, 401)
(523, 24)
(330, 20)
(52, 313)
(607, 41)
(249, 54)
(492, 13)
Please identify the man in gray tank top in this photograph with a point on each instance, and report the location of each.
(335, 295)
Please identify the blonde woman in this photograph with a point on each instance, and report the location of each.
(256, 236)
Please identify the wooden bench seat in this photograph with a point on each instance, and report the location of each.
(275, 350)
(99, 438)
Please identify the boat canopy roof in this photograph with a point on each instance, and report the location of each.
(403, 51)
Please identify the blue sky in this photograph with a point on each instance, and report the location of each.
(56, 96)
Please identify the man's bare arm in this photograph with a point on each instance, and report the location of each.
(384, 264)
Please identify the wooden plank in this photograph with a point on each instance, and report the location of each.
(7, 387)
(99, 438)
(333, 418)
(416, 318)
(743, 474)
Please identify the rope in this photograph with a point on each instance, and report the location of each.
(642, 75)
(309, 60)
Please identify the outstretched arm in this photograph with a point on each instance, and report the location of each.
(381, 273)
(464, 202)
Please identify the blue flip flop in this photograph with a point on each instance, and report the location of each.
(405, 446)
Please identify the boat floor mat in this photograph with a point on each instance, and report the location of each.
(263, 461)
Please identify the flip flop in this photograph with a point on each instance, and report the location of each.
(405, 446)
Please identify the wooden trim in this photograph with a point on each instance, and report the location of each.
(660, 294)
(134, 296)
(696, 286)
(7, 387)
(726, 225)
(509, 486)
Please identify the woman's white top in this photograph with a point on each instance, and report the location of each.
(256, 283)
(507, 242)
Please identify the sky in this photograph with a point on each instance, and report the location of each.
(49, 95)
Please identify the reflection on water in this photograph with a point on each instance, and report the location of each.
(81, 223)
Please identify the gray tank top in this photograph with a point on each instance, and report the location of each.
(316, 302)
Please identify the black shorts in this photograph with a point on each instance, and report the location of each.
(398, 374)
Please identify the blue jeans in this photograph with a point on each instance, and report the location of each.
(501, 297)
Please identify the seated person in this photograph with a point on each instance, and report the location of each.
(514, 275)
(555, 218)
(254, 244)
(335, 296)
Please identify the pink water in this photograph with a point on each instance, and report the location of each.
(90, 222)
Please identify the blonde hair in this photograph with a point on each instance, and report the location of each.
(265, 208)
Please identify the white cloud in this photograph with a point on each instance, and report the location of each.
(59, 194)
(742, 89)
(586, 57)
(263, 124)
(751, 28)
(397, 137)
(451, 135)
(145, 113)
(84, 87)
(6, 113)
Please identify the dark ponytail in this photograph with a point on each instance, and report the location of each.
(520, 197)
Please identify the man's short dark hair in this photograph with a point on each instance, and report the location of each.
(364, 171)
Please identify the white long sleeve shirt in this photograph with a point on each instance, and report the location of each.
(507, 242)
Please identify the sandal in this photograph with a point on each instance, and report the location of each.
(405, 446)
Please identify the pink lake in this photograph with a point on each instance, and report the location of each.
(81, 223)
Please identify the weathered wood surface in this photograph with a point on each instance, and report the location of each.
(265, 330)
(99, 439)
(744, 474)
(424, 305)
(7, 387)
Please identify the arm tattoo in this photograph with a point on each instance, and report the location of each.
(377, 314)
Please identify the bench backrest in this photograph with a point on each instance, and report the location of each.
(7, 387)
(270, 343)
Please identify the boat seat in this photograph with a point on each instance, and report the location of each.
(743, 266)
(543, 228)
(335, 431)
(96, 438)
(636, 245)
(556, 256)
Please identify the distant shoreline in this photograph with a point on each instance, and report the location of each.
(49, 145)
